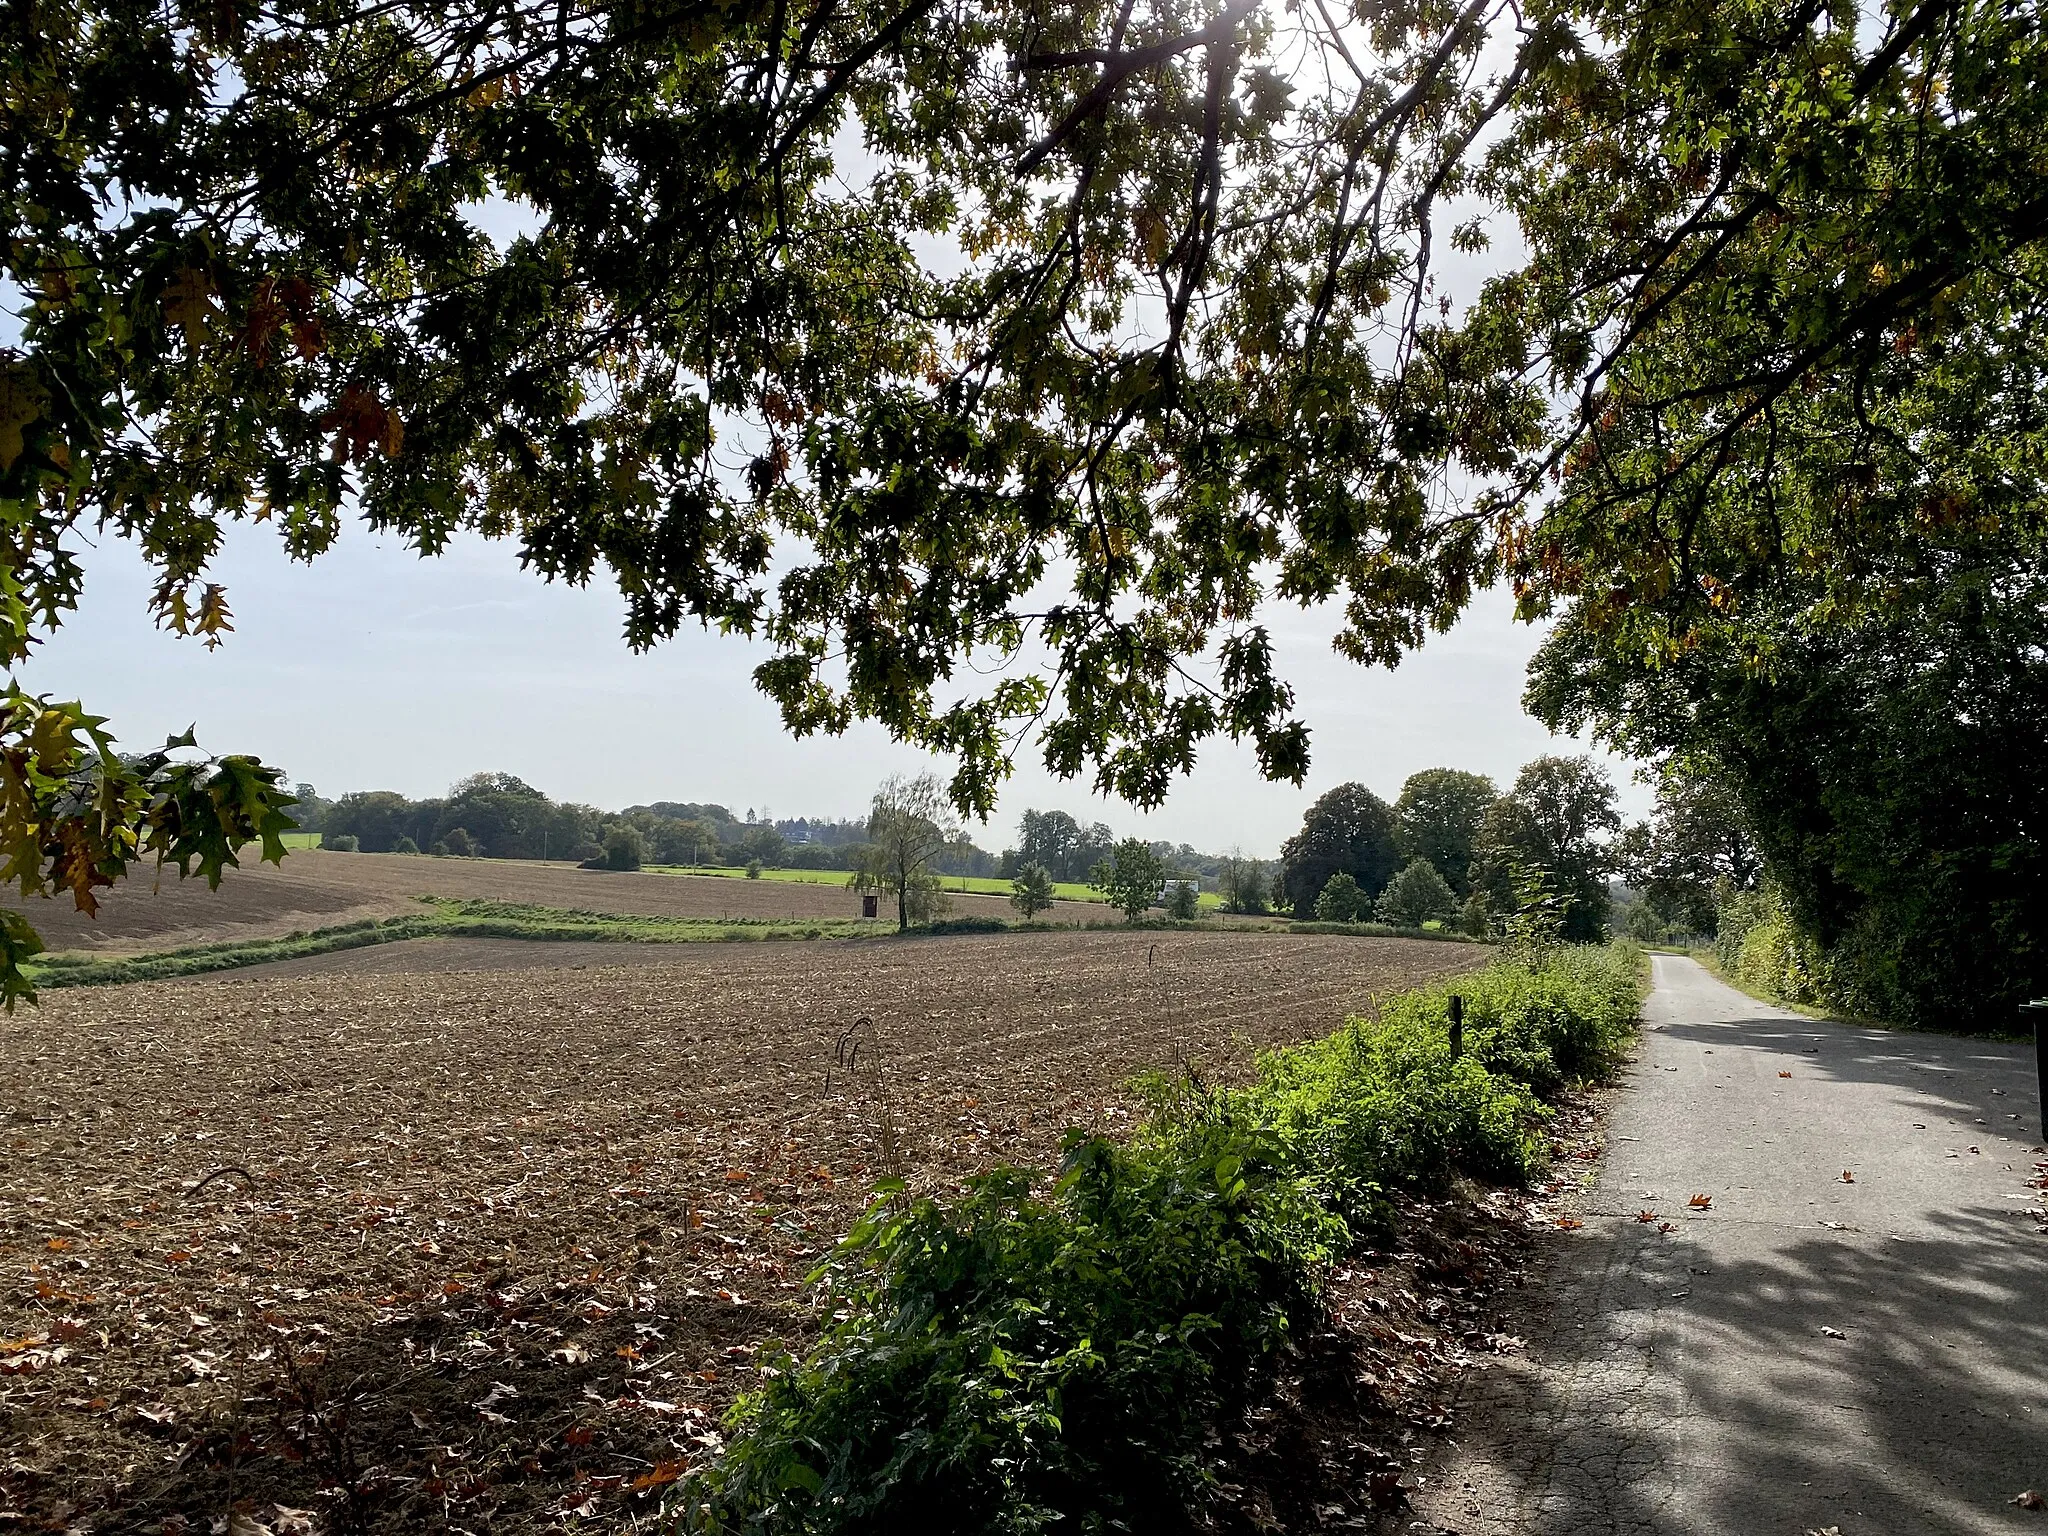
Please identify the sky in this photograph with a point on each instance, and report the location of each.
(374, 669)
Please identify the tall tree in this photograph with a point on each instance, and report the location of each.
(1437, 818)
(1695, 851)
(1894, 776)
(1130, 878)
(910, 827)
(1558, 822)
(1350, 830)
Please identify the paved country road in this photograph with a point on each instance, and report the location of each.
(1810, 1352)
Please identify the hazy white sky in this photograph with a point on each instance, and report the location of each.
(372, 669)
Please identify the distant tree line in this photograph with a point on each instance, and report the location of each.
(500, 816)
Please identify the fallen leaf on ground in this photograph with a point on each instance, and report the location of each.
(1850, 1178)
(1784, 1074)
(1701, 1202)
(1833, 1333)
(1568, 1224)
(664, 1472)
(1646, 1216)
(1666, 1227)
(2029, 1500)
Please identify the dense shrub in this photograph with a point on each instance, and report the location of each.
(624, 848)
(1015, 1361)
(1340, 900)
(1035, 1357)
(1183, 900)
(405, 845)
(973, 924)
(1417, 895)
(1384, 1107)
(339, 842)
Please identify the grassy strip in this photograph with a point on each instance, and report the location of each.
(956, 885)
(442, 919)
(483, 919)
(1028, 1357)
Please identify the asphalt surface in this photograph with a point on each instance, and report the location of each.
(1852, 1337)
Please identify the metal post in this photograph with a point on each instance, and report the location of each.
(1457, 1026)
(2039, 1010)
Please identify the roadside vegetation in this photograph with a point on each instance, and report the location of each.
(1073, 1347)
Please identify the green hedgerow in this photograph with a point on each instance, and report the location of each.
(1040, 1356)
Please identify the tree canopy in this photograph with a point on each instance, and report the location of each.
(907, 336)
(1350, 831)
(1438, 818)
(1555, 830)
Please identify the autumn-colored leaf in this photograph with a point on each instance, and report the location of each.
(1784, 1074)
(1646, 1216)
(1850, 1178)
(58, 1244)
(1701, 1202)
(188, 304)
(2029, 1500)
(664, 1472)
(1568, 1224)
(737, 1175)
(22, 402)
(578, 1436)
(180, 1256)
(627, 1352)
(1666, 1227)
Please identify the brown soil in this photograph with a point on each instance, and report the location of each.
(313, 889)
(494, 1251)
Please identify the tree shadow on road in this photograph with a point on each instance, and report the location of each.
(1874, 1381)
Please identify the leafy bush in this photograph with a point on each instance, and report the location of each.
(624, 848)
(1341, 901)
(1020, 1361)
(753, 869)
(1384, 1107)
(1415, 896)
(1183, 900)
(1015, 1362)
(976, 924)
(1543, 1028)
(1031, 891)
(341, 842)
(405, 845)
(1757, 942)
(457, 842)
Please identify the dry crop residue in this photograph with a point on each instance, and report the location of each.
(508, 1244)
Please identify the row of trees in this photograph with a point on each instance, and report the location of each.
(501, 816)
(1452, 848)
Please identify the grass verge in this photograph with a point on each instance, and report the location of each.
(1062, 1353)
(439, 918)
(482, 919)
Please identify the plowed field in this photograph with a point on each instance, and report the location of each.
(493, 1250)
(313, 889)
